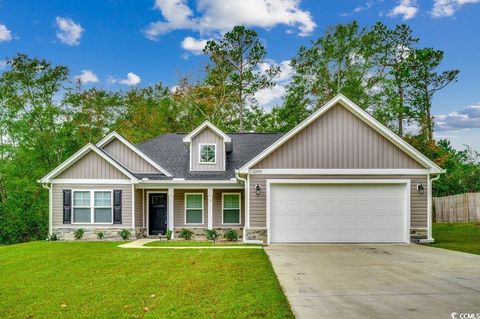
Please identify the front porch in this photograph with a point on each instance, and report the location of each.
(197, 208)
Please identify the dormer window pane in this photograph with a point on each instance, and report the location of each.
(207, 153)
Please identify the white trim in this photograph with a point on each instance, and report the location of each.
(239, 208)
(92, 205)
(148, 207)
(406, 182)
(107, 139)
(191, 157)
(429, 207)
(193, 186)
(210, 208)
(78, 155)
(50, 207)
(185, 209)
(92, 181)
(188, 181)
(308, 171)
(133, 206)
(192, 134)
(171, 207)
(367, 118)
(200, 153)
(143, 209)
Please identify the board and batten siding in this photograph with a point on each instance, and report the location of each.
(210, 137)
(218, 209)
(179, 208)
(57, 207)
(131, 160)
(338, 140)
(92, 166)
(418, 202)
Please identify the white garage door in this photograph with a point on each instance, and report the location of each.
(353, 213)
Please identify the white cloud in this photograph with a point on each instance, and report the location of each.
(268, 96)
(86, 76)
(406, 8)
(219, 16)
(3, 64)
(193, 45)
(5, 34)
(69, 31)
(447, 8)
(467, 118)
(132, 79)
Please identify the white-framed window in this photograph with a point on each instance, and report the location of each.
(231, 209)
(207, 153)
(193, 208)
(92, 206)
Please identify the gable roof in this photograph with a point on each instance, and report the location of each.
(188, 138)
(114, 135)
(245, 146)
(81, 153)
(364, 116)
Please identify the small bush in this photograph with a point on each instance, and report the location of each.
(100, 235)
(124, 233)
(212, 235)
(168, 234)
(52, 237)
(79, 233)
(186, 234)
(231, 235)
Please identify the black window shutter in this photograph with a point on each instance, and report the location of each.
(67, 206)
(117, 206)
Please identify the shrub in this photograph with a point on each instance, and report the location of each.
(100, 235)
(52, 237)
(231, 235)
(124, 233)
(168, 234)
(185, 234)
(211, 235)
(79, 233)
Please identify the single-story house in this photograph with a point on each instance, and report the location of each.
(339, 176)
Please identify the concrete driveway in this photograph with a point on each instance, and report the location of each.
(377, 281)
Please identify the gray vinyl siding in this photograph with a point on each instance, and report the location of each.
(207, 136)
(258, 207)
(138, 208)
(57, 207)
(92, 166)
(338, 140)
(131, 160)
(179, 207)
(218, 209)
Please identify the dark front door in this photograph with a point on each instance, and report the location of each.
(157, 215)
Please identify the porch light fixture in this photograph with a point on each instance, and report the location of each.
(420, 188)
(258, 189)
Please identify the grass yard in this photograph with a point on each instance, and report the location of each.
(459, 236)
(100, 280)
(193, 243)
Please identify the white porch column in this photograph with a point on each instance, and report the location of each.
(210, 208)
(170, 210)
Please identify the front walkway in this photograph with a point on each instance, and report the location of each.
(377, 281)
(139, 243)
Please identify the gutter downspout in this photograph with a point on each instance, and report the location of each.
(50, 221)
(430, 210)
(247, 206)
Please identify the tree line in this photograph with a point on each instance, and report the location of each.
(45, 116)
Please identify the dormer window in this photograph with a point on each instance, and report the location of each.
(208, 153)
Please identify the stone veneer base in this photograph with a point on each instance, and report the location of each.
(111, 234)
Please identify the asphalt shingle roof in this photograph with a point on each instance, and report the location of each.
(172, 154)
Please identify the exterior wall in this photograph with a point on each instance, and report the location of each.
(128, 158)
(207, 136)
(338, 140)
(218, 209)
(418, 202)
(139, 208)
(92, 166)
(179, 208)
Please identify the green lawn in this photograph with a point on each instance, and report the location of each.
(193, 243)
(100, 280)
(459, 236)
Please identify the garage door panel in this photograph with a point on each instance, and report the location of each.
(337, 213)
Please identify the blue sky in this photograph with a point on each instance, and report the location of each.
(119, 43)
